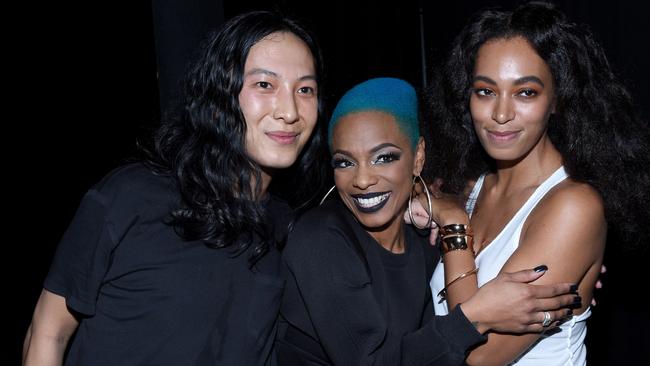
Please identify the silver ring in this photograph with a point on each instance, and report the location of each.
(547, 319)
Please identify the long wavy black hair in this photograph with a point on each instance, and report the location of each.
(601, 139)
(203, 147)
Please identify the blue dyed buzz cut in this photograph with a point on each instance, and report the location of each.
(389, 95)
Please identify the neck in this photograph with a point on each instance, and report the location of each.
(391, 236)
(266, 176)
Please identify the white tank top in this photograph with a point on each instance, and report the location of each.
(565, 346)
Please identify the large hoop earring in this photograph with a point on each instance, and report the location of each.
(327, 194)
(426, 190)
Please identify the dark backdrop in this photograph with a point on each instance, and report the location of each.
(86, 82)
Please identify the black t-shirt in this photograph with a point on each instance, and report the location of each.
(348, 303)
(405, 293)
(147, 297)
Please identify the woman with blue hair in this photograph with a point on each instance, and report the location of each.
(357, 276)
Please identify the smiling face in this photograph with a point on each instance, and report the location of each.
(373, 167)
(512, 99)
(278, 100)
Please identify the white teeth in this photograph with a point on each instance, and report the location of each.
(370, 202)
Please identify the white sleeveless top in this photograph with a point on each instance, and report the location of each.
(565, 346)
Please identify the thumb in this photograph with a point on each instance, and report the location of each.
(528, 275)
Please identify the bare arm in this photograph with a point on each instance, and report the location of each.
(567, 233)
(507, 303)
(51, 329)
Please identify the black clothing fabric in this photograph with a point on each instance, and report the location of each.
(335, 312)
(147, 297)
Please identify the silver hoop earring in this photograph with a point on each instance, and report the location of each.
(327, 194)
(426, 190)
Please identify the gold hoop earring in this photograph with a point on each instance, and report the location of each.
(327, 194)
(426, 190)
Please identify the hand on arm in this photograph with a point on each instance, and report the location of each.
(567, 233)
(509, 304)
(51, 329)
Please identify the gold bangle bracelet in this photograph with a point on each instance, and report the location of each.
(456, 229)
(456, 242)
(443, 292)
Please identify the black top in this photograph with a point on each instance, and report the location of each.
(349, 302)
(147, 297)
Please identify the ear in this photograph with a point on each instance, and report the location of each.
(418, 164)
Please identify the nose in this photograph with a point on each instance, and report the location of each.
(286, 107)
(503, 111)
(364, 177)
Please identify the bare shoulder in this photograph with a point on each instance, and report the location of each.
(571, 209)
(569, 199)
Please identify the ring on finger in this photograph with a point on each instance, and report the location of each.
(547, 319)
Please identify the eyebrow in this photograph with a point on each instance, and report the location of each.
(261, 71)
(520, 81)
(273, 74)
(373, 150)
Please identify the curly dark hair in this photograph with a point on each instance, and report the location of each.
(602, 140)
(203, 147)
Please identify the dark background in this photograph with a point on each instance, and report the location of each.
(83, 87)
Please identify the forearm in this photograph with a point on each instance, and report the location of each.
(445, 340)
(52, 327)
(458, 263)
(44, 349)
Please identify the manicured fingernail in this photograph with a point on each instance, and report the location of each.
(577, 302)
(573, 289)
(541, 268)
(569, 313)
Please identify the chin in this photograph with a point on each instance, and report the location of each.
(373, 222)
(279, 161)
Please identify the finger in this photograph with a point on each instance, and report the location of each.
(563, 302)
(553, 290)
(526, 275)
(433, 235)
(407, 217)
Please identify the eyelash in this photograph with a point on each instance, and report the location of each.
(339, 163)
(531, 92)
(302, 90)
(387, 157)
(484, 92)
(306, 90)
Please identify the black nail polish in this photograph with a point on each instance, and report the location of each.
(541, 268)
(573, 289)
(577, 302)
(569, 313)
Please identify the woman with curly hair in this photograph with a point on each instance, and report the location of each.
(175, 260)
(528, 107)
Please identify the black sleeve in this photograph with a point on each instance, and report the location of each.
(337, 293)
(83, 256)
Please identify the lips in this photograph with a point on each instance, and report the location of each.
(370, 202)
(502, 136)
(281, 137)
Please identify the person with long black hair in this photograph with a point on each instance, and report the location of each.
(174, 260)
(528, 107)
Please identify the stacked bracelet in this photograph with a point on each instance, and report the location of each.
(456, 229)
(443, 292)
(456, 237)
